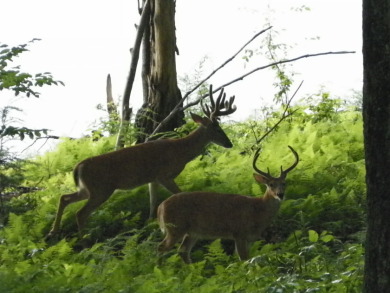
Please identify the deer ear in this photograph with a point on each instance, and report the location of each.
(259, 178)
(200, 120)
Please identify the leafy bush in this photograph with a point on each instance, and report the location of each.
(314, 245)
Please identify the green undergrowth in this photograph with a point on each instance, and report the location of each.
(314, 245)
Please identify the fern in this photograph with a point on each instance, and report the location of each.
(313, 245)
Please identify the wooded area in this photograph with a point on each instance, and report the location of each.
(331, 233)
(376, 113)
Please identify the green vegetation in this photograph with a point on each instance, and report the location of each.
(314, 245)
(15, 81)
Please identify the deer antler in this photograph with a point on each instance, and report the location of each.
(214, 111)
(283, 174)
(256, 156)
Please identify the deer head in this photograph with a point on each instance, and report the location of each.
(275, 185)
(220, 107)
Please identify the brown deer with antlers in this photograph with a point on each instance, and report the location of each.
(190, 216)
(158, 161)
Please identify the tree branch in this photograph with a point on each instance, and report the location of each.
(135, 51)
(284, 61)
(225, 63)
(125, 111)
(264, 67)
(284, 115)
(43, 137)
(177, 107)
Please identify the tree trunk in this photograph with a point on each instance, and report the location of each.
(376, 114)
(161, 93)
(111, 106)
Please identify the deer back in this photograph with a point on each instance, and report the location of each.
(217, 215)
(135, 165)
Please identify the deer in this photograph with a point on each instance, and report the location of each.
(157, 162)
(189, 216)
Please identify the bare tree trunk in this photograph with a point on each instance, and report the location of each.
(161, 93)
(126, 111)
(145, 71)
(376, 114)
(111, 107)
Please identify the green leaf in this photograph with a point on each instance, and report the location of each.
(327, 238)
(37, 133)
(313, 236)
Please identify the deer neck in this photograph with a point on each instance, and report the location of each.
(272, 203)
(195, 142)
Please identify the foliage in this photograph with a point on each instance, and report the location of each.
(10, 179)
(11, 175)
(7, 130)
(107, 125)
(314, 245)
(19, 82)
(13, 79)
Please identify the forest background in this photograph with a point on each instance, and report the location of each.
(81, 53)
(315, 244)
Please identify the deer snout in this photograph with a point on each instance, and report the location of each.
(228, 145)
(280, 194)
(225, 142)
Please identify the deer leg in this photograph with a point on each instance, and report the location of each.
(169, 241)
(65, 200)
(186, 247)
(169, 184)
(153, 198)
(95, 200)
(242, 248)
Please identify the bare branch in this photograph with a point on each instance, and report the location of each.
(135, 52)
(111, 107)
(177, 107)
(225, 63)
(110, 99)
(284, 115)
(42, 137)
(286, 61)
(264, 67)
(126, 111)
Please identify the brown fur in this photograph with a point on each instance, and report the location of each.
(189, 216)
(157, 161)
